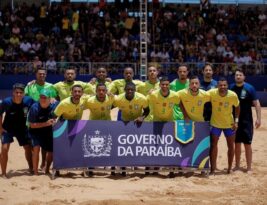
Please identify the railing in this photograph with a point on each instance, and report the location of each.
(88, 68)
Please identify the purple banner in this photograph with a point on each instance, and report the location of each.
(86, 143)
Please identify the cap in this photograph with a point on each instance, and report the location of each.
(45, 93)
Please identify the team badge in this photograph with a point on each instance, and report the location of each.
(97, 145)
(184, 132)
(25, 111)
(226, 104)
(136, 107)
(199, 103)
(243, 94)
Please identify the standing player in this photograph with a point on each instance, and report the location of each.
(100, 105)
(72, 107)
(247, 96)
(34, 88)
(63, 88)
(133, 106)
(222, 101)
(101, 77)
(162, 104)
(193, 100)
(151, 84)
(14, 124)
(206, 84)
(118, 86)
(162, 101)
(40, 120)
(179, 84)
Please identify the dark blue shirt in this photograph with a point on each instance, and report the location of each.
(208, 85)
(38, 114)
(15, 114)
(246, 95)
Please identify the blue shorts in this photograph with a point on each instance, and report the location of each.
(218, 131)
(22, 138)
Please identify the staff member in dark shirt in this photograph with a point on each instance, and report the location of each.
(248, 97)
(40, 120)
(14, 124)
(206, 84)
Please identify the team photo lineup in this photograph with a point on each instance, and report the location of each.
(35, 108)
(133, 102)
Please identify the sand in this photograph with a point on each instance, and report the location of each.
(237, 188)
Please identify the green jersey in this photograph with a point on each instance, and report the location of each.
(176, 85)
(34, 90)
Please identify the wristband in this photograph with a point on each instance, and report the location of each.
(236, 120)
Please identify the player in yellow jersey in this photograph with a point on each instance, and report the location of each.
(223, 101)
(133, 105)
(63, 88)
(162, 101)
(118, 86)
(151, 84)
(101, 77)
(193, 100)
(101, 104)
(72, 107)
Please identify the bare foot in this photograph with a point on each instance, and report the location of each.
(4, 176)
(249, 171)
(229, 171)
(212, 173)
(236, 169)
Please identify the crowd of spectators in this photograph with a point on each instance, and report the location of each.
(102, 32)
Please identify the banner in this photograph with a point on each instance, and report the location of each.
(86, 143)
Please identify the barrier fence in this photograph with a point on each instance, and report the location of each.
(85, 143)
(88, 68)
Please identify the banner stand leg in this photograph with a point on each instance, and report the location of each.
(53, 176)
(85, 173)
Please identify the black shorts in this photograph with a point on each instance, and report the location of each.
(244, 133)
(45, 142)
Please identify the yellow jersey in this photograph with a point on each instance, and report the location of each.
(100, 110)
(75, 17)
(222, 108)
(70, 111)
(194, 105)
(162, 107)
(65, 23)
(64, 89)
(145, 88)
(130, 110)
(117, 86)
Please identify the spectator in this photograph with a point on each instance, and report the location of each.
(51, 65)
